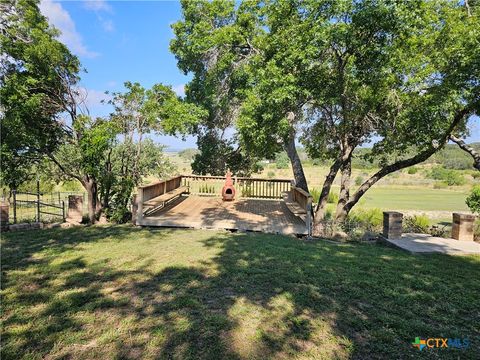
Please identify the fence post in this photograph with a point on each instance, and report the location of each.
(14, 206)
(63, 210)
(38, 201)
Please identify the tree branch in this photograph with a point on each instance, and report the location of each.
(420, 157)
(467, 148)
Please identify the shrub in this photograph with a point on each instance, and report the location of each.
(473, 199)
(450, 177)
(282, 161)
(315, 194)
(412, 170)
(332, 198)
(440, 185)
(317, 162)
(476, 174)
(416, 223)
(271, 174)
(359, 180)
(367, 219)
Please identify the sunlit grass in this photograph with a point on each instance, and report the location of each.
(123, 292)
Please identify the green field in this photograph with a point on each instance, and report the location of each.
(120, 292)
(410, 198)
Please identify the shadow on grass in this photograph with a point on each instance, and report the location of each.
(253, 296)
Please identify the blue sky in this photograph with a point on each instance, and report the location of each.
(120, 41)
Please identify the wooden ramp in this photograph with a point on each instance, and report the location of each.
(271, 216)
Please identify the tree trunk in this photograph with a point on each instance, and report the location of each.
(344, 196)
(90, 186)
(322, 200)
(297, 167)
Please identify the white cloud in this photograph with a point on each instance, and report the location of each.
(60, 18)
(179, 89)
(107, 25)
(93, 98)
(97, 5)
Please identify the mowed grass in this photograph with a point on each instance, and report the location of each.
(411, 198)
(122, 292)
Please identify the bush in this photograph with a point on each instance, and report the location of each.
(473, 200)
(271, 174)
(359, 180)
(416, 223)
(282, 161)
(317, 162)
(332, 198)
(315, 194)
(367, 219)
(412, 170)
(476, 174)
(450, 177)
(440, 185)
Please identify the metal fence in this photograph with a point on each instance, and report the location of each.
(27, 206)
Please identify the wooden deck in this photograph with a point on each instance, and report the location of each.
(271, 216)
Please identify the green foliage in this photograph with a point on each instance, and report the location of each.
(412, 170)
(332, 198)
(282, 161)
(452, 157)
(359, 180)
(71, 185)
(315, 192)
(450, 177)
(37, 76)
(271, 174)
(367, 219)
(476, 174)
(473, 199)
(209, 47)
(416, 223)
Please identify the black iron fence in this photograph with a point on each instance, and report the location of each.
(27, 206)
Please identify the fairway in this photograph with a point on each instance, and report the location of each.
(122, 292)
(411, 198)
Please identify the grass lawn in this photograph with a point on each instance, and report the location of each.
(122, 292)
(411, 198)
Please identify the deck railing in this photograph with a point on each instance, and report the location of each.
(212, 186)
(304, 200)
(245, 187)
(158, 188)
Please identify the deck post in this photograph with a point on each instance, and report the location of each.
(309, 217)
(139, 199)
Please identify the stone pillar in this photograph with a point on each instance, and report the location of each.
(392, 224)
(75, 208)
(4, 207)
(462, 226)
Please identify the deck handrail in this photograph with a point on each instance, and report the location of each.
(305, 200)
(246, 187)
